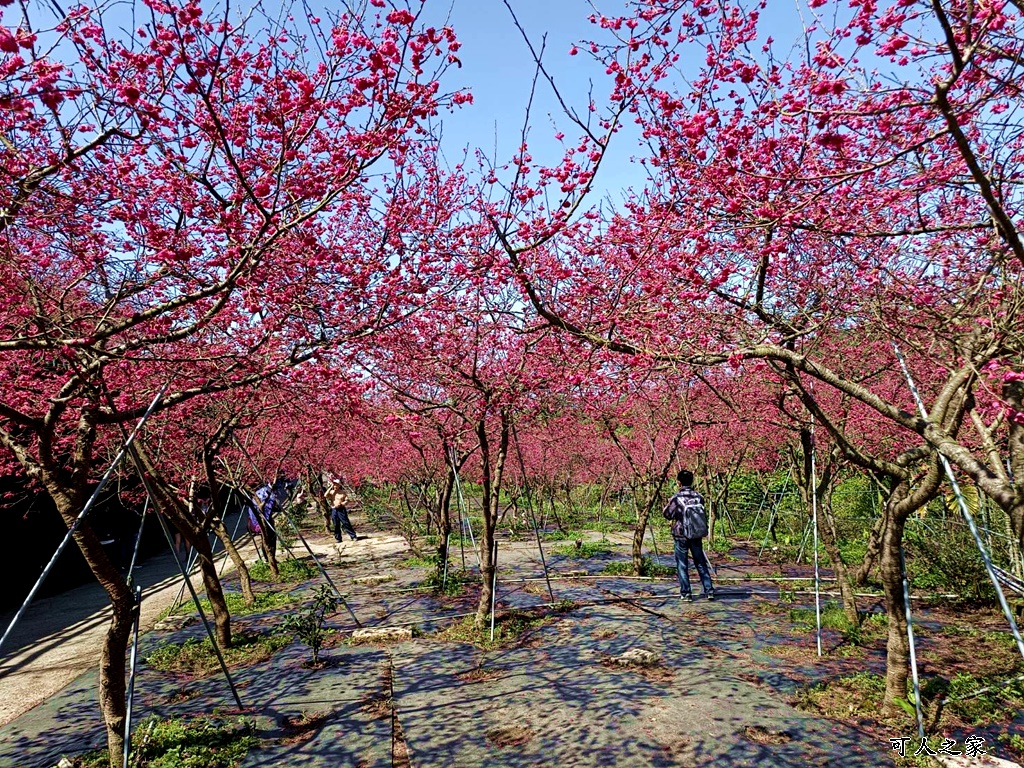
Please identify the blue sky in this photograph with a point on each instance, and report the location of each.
(498, 69)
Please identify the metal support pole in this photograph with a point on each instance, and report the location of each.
(444, 576)
(494, 584)
(654, 543)
(913, 650)
(757, 515)
(803, 542)
(323, 572)
(540, 548)
(814, 521)
(464, 522)
(764, 498)
(190, 564)
(472, 539)
(234, 532)
(199, 607)
(462, 541)
(138, 540)
(131, 676)
(966, 512)
(81, 515)
(771, 520)
(533, 517)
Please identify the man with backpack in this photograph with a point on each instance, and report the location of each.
(689, 527)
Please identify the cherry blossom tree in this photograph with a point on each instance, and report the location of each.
(864, 188)
(185, 203)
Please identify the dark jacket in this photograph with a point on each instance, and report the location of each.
(687, 513)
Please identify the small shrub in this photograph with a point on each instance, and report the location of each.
(871, 628)
(648, 568)
(721, 545)
(652, 569)
(307, 625)
(947, 562)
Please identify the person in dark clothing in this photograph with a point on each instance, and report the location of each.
(689, 527)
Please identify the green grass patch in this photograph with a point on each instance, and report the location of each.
(419, 561)
(832, 617)
(559, 535)
(196, 657)
(196, 742)
(582, 550)
(510, 628)
(620, 568)
(998, 705)
(722, 545)
(264, 601)
(648, 568)
(453, 585)
(656, 570)
(857, 695)
(291, 570)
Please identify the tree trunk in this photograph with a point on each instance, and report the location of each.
(112, 689)
(269, 538)
(897, 654)
(902, 502)
(637, 550)
(240, 566)
(872, 554)
(486, 545)
(491, 487)
(444, 517)
(195, 533)
(830, 540)
(214, 590)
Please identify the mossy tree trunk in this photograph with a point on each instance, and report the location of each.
(905, 498)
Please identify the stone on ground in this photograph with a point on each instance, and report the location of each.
(382, 635)
(637, 657)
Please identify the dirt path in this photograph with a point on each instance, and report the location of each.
(60, 637)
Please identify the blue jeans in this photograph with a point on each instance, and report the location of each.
(696, 550)
(340, 522)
